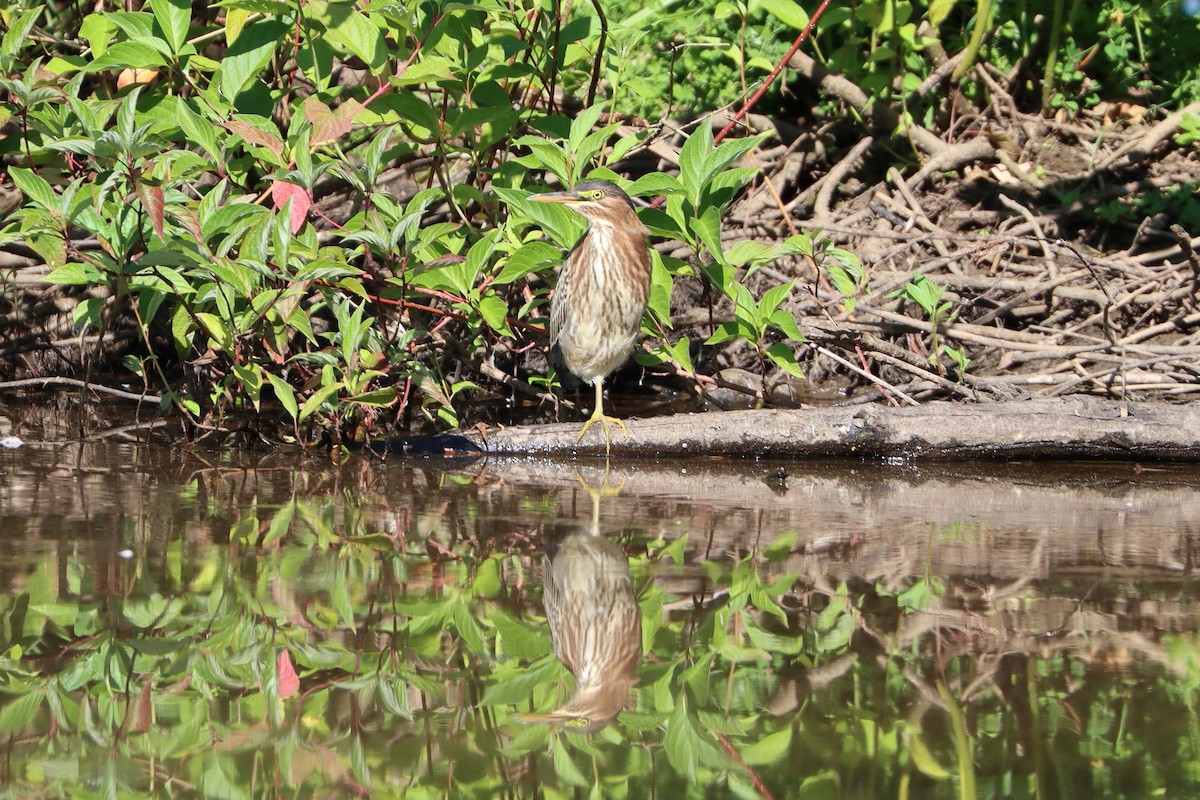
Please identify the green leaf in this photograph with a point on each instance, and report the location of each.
(250, 376)
(35, 187)
(350, 31)
(788, 12)
(565, 769)
(468, 628)
(692, 158)
(199, 132)
(18, 714)
(528, 258)
(98, 30)
(74, 274)
(319, 398)
(519, 639)
(249, 55)
(785, 359)
(686, 746)
(785, 321)
(141, 53)
(173, 16)
(493, 309)
(377, 398)
(708, 228)
(19, 27)
(749, 251)
(773, 297)
(654, 183)
(518, 688)
(938, 11)
(582, 127)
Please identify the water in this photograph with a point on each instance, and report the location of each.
(191, 622)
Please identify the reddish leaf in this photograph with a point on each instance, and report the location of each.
(253, 135)
(282, 192)
(140, 714)
(289, 681)
(153, 202)
(329, 126)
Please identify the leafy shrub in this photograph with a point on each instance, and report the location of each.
(201, 178)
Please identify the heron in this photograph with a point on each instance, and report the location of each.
(596, 311)
(594, 620)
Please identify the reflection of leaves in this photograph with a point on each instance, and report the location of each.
(519, 687)
(520, 640)
(922, 595)
(768, 749)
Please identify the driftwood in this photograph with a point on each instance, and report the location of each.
(1074, 427)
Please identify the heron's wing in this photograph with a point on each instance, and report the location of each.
(558, 315)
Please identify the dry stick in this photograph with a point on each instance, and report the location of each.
(882, 384)
(1025, 295)
(897, 180)
(1109, 333)
(1178, 323)
(1189, 253)
(78, 384)
(831, 180)
(982, 283)
(962, 331)
(1141, 148)
(857, 335)
(1110, 371)
(1040, 235)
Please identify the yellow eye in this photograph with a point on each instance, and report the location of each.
(594, 194)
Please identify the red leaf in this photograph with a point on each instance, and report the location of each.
(289, 681)
(139, 716)
(282, 191)
(153, 202)
(329, 125)
(255, 136)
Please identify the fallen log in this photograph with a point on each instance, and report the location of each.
(1075, 427)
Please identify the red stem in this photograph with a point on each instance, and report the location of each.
(749, 104)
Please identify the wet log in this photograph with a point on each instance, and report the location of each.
(1067, 428)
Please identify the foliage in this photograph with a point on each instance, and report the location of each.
(201, 183)
(928, 294)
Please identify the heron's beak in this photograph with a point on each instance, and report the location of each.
(567, 720)
(556, 197)
(553, 718)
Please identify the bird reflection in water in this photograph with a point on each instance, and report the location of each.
(594, 622)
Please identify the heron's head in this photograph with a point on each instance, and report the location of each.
(599, 201)
(592, 707)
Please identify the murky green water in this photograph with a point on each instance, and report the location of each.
(194, 623)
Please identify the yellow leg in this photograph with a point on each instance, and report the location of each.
(597, 492)
(598, 416)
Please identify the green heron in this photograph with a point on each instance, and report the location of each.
(597, 309)
(594, 621)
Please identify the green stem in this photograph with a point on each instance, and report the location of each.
(1056, 29)
(962, 744)
(983, 23)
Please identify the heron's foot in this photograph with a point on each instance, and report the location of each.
(606, 422)
(604, 489)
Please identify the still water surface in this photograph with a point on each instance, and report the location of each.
(190, 623)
